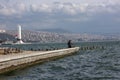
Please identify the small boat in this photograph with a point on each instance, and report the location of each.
(7, 43)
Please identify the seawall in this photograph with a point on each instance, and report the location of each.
(16, 61)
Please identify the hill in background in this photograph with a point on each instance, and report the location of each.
(55, 30)
(56, 35)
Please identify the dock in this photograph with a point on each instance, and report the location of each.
(12, 62)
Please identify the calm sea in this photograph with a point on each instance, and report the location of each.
(96, 64)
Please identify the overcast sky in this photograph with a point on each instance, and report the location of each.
(74, 15)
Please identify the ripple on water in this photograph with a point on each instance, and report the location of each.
(98, 64)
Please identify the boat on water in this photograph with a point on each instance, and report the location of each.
(11, 43)
(7, 43)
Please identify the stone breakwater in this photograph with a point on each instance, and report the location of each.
(16, 61)
(6, 51)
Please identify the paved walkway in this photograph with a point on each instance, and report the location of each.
(31, 53)
(16, 56)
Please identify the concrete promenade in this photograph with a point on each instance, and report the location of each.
(16, 61)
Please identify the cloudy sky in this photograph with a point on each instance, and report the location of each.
(101, 16)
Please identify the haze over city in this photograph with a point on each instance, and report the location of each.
(99, 16)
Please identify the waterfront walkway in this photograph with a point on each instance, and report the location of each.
(18, 55)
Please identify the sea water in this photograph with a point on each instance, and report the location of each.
(96, 64)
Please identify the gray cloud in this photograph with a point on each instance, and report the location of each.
(83, 16)
(66, 8)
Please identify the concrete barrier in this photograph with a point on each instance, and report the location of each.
(17, 61)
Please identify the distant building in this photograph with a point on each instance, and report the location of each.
(2, 31)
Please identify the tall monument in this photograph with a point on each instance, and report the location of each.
(19, 36)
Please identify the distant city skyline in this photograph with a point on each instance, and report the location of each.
(78, 16)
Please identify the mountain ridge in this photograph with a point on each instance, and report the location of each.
(55, 30)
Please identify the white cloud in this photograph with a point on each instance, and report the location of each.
(69, 9)
(22, 7)
(7, 11)
(34, 7)
(41, 8)
(65, 8)
(35, 14)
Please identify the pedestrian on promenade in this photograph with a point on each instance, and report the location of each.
(69, 44)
